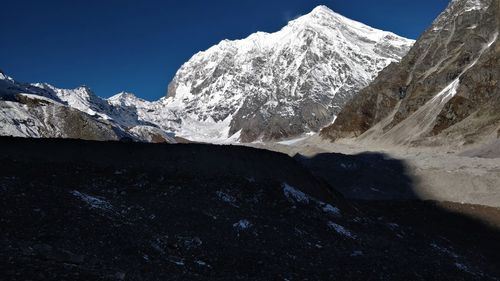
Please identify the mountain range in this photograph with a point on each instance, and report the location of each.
(268, 86)
(401, 182)
(321, 71)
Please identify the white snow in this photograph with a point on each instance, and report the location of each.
(93, 202)
(15, 120)
(357, 254)
(329, 209)
(295, 195)
(463, 267)
(151, 134)
(5, 77)
(201, 263)
(211, 88)
(473, 5)
(341, 230)
(448, 92)
(225, 197)
(451, 90)
(292, 141)
(242, 225)
(81, 98)
(457, 8)
(445, 250)
(40, 98)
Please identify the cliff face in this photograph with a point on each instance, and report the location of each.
(446, 86)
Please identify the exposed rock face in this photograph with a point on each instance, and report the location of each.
(34, 117)
(271, 86)
(446, 88)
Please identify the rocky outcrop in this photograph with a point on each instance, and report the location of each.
(445, 86)
(33, 116)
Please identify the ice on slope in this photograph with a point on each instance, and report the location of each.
(341, 230)
(92, 201)
(5, 77)
(81, 98)
(15, 121)
(295, 195)
(458, 8)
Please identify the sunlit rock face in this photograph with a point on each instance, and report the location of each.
(445, 90)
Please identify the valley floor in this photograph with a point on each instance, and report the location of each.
(437, 173)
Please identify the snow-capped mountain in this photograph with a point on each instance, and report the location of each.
(267, 86)
(445, 91)
(276, 85)
(42, 110)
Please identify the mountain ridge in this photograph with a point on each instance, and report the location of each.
(441, 92)
(264, 87)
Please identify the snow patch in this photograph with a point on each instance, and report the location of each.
(40, 98)
(341, 230)
(242, 225)
(93, 202)
(357, 254)
(294, 195)
(329, 209)
(227, 198)
(445, 250)
(292, 141)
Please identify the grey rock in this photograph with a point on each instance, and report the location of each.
(403, 105)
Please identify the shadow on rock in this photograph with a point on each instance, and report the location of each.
(365, 176)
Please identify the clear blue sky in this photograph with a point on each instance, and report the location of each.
(137, 46)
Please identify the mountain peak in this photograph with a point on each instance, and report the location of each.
(123, 96)
(323, 18)
(320, 13)
(3, 76)
(322, 9)
(235, 88)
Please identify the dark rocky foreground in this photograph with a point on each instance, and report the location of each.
(78, 210)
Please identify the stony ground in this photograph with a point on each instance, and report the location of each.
(469, 174)
(74, 210)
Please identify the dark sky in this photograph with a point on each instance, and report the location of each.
(137, 46)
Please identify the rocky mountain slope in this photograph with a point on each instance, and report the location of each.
(446, 90)
(79, 210)
(282, 84)
(42, 110)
